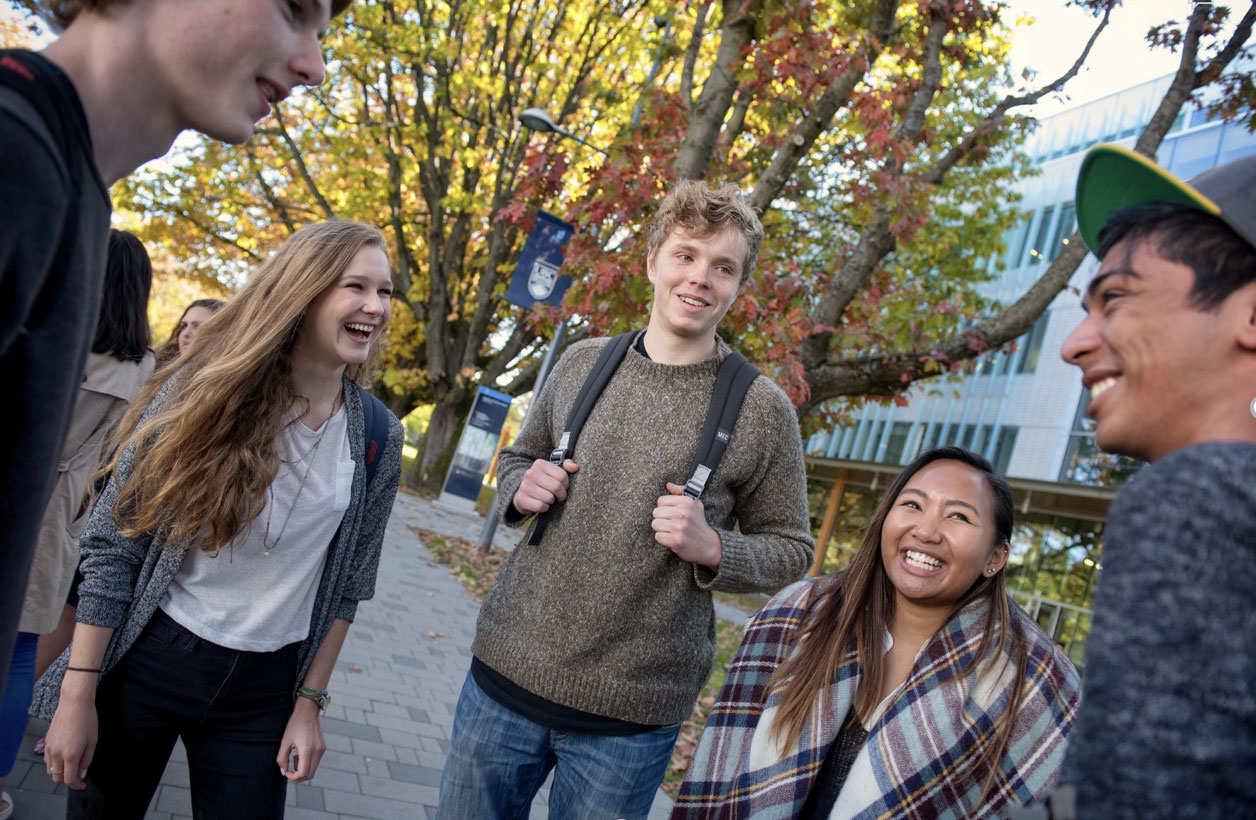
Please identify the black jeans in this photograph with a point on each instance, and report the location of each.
(229, 707)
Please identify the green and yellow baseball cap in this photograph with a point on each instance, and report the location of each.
(1112, 178)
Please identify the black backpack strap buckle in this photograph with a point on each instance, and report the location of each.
(559, 454)
(731, 385)
(607, 362)
(697, 482)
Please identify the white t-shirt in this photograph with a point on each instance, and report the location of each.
(243, 598)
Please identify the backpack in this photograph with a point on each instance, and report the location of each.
(28, 75)
(731, 384)
(375, 420)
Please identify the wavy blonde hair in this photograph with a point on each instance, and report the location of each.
(204, 460)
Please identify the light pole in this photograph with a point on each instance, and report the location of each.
(535, 119)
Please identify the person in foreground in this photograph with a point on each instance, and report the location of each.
(225, 559)
(1168, 352)
(593, 644)
(112, 92)
(119, 364)
(909, 684)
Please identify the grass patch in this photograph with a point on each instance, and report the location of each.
(484, 504)
(477, 571)
(727, 639)
(747, 602)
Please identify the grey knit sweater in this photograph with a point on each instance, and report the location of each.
(124, 578)
(1168, 718)
(600, 617)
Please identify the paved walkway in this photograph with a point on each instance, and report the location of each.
(393, 691)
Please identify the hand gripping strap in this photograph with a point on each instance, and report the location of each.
(603, 369)
(734, 380)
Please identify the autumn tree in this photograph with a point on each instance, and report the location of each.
(880, 141)
(414, 131)
(20, 29)
(876, 142)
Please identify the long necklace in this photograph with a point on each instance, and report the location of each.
(267, 544)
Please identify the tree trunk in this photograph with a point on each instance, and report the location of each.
(717, 93)
(439, 442)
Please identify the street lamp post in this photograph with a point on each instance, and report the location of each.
(536, 119)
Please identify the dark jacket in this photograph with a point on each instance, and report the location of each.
(1168, 722)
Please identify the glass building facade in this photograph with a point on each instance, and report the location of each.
(1024, 409)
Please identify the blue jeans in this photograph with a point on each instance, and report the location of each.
(17, 699)
(498, 760)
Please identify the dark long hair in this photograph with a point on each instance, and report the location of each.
(122, 327)
(853, 610)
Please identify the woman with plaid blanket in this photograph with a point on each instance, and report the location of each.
(907, 685)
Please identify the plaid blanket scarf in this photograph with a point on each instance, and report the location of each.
(918, 760)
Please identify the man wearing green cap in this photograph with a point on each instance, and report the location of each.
(1168, 352)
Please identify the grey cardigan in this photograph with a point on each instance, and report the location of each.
(125, 578)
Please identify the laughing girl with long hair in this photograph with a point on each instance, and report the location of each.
(909, 684)
(231, 545)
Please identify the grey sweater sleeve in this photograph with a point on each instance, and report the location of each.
(772, 544)
(1168, 721)
(536, 439)
(109, 561)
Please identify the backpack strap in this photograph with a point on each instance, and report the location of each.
(603, 369)
(31, 77)
(375, 420)
(734, 380)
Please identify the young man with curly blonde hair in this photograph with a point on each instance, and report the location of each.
(593, 644)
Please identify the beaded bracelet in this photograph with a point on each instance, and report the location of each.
(320, 696)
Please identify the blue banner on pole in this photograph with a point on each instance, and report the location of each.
(536, 276)
(477, 445)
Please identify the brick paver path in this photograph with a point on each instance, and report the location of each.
(393, 694)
